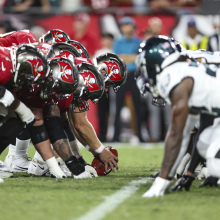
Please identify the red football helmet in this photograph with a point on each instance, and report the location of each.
(80, 48)
(54, 36)
(113, 69)
(93, 84)
(63, 77)
(31, 65)
(63, 50)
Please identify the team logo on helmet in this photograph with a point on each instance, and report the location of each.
(90, 80)
(58, 36)
(67, 54)
(37, 66)
(67, 72)
(79, 49)
(113, 70)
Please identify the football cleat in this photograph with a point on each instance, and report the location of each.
(83, 175)
(5, 174)
(8, 160)
(20, 163)
(1, 180)
(3, 167)
(55, 170)
(91, 170)
(65, 169)
(99, 166)
(38, 168)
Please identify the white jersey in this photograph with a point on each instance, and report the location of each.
(205, 96)
(206, 56)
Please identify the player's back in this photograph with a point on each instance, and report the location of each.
(15, 38)
(205, 96)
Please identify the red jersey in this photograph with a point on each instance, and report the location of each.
(6, 69)
(31, 99)
(15, 38)
(65, 104)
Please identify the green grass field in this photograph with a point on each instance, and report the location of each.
(28, 197)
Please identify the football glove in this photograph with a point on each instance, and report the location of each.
(209, 181)
(7, 98)
(158, 188)
(184, 182)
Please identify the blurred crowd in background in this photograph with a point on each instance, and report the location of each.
(120, 26)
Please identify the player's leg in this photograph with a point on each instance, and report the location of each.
(60, 142)
(40, 139)
(21, 161)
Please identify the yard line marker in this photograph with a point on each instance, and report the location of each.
(113, 201)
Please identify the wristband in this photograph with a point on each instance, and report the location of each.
(88, 147)
(100, 149)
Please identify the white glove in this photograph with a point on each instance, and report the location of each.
(158, 188)
(83, 175)
(7, 99)
(91, 170)
(24, 113)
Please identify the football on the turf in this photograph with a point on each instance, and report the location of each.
(100, 167)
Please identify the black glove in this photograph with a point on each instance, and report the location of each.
(209, 181)
(155, 175)
(184, 182)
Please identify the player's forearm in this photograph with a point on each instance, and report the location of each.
(172, 148)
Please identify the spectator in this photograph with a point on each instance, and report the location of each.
(158, 118)
(5, 26)
(103, 104)
(193, 39)
(126, 47)
(82, 34)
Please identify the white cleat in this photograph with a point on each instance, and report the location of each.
(83, 175)
(65, 169)
(203, 174)
(3, 167)
(91, 170)
(1, 180)
(20, 163)
(5, 174)
(8, 161)
(38, 168)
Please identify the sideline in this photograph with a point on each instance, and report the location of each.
(113, 201)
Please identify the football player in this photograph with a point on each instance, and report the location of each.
(178, 80)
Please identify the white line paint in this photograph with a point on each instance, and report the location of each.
(113, 201)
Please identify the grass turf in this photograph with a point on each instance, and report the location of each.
(28, 197)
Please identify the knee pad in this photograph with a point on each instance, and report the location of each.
(38, 134)
(55, 129)
(68, 131)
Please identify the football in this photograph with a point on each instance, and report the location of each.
(100, 167)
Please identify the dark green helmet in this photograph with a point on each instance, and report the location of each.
(153, 55)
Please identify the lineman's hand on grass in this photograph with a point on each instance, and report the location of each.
(209, 181)
(158, 188)
(184, 182)
(108, 159)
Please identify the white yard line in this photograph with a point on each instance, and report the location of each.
(113, 201)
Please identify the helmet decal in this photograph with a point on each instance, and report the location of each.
(90, 80)
(66, 71)
(113, 70)
(67, 54)
(58, 36)
(37, 66)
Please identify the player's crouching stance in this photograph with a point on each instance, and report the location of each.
(185, 84)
